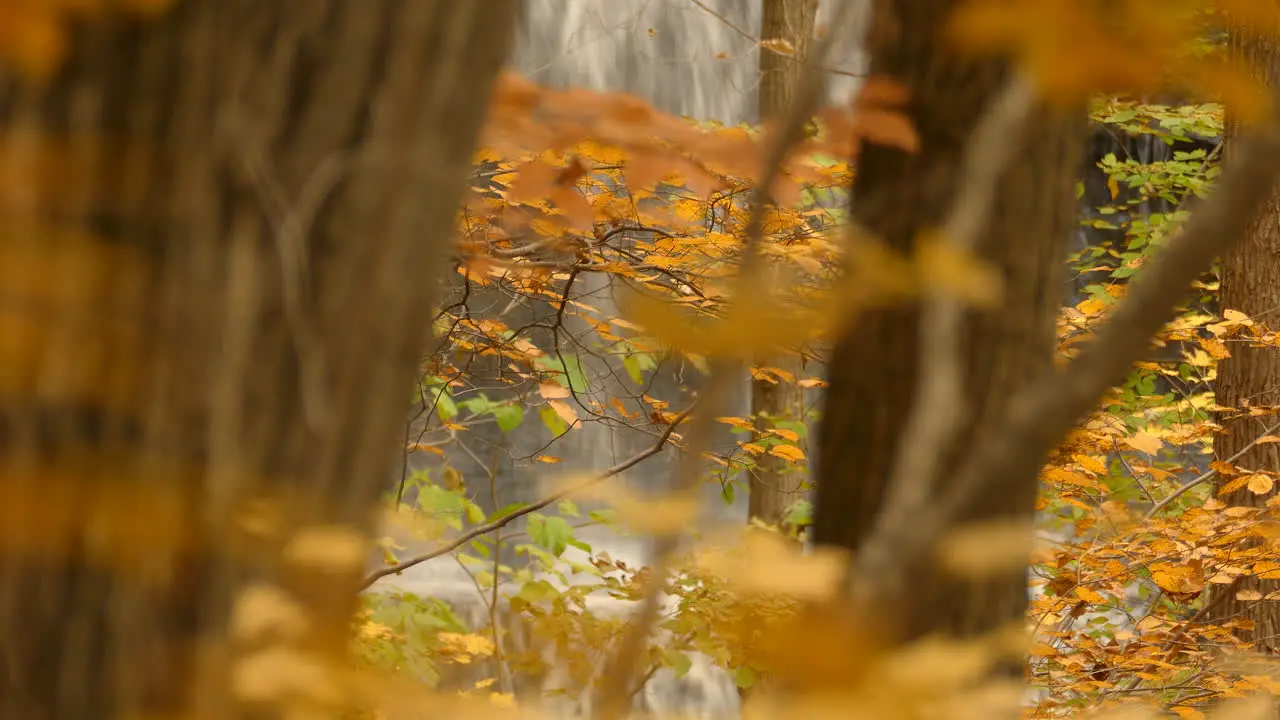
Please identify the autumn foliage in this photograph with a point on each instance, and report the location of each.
(571, 183)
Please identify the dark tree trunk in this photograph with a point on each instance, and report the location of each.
(896, 195)
(1250, 378)
(221, 234)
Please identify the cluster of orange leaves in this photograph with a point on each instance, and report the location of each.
(1193, 549)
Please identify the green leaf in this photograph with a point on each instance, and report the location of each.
(745, 677)
(799, 514)
(726, 493)
(1123, 116)
(478, 405)
(446, 408)
(677, 661)
(568, 366)
(632, 366)
(509, 416)
(569, 508)
(537, 591)
(506, 510)
(604, 516)
(475, 515)
(553, 533)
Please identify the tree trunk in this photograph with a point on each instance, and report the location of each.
(222, 231)
(776, 483)
(873, 369)
(1251, 376)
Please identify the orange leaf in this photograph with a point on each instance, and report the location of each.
(553, 391)
(1143, 442)
(787, 452)
(563, 409)
(780, 46)
(1260, 484)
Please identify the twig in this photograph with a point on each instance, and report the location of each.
(505, 520)
(937, 409)
(1041, 414)
(739, 30)
(1207, 475)
(621, 666)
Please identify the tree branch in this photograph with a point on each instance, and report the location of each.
(1207, 475)
(505, 520)
(1044, 412)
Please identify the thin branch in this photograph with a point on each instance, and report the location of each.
(1207, 475)
(505, 520)
(739, 30)
(937, 410)
(1046, 410)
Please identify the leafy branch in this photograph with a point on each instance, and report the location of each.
(658, 446)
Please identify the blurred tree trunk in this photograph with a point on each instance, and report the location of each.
(776, 482)
(873, 369)
(222, 232)
(1251, 376)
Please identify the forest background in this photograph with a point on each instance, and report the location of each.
(225, 247)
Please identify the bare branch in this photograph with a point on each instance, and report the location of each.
(505, 520)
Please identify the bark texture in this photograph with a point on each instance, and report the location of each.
(873, 369)
(1251, 376)
(218, 261)
(776, 483)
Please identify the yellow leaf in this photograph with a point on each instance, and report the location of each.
(981, 549)
(762, 561)
(1248, 595)
(736, 422)
(1092, 463)
(958, 274)
(1234, 485)
(1260, 484)
(780, 46)
(1090, 595)
(1144, 442)
(787, 452)
(1042, 649)
(789, 435)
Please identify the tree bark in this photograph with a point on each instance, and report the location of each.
(775, 482)
(222, 231)
(873, 369)
(1251, 376)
